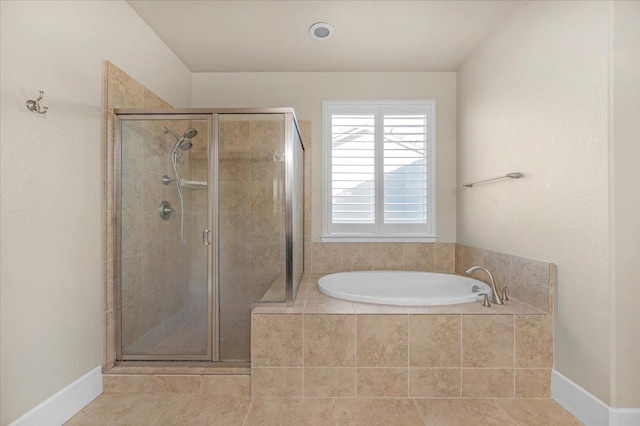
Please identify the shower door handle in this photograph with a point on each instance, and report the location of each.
(205, 237)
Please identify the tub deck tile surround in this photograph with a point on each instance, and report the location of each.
(462, 351)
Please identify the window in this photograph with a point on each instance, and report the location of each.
(379, 170)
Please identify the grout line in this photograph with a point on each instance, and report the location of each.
(460, 356)
(355, 361)
(419, 411)
(333, 406)
(514, 356)
(246, 417)
(408, 363)
(303, 366)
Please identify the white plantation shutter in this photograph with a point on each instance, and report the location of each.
(405, 168)
(379, 159)
(353, 168)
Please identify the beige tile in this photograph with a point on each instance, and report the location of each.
(276, 382)
(382, 340)
(109, 278)
(232, 371)
(266, 135)
(444, 258)
(126, 368)
(129, 383)
(234, 197)
(132, 233)
(110, 335)
(151, 100)
(227, 385)
(154, 150)
(205, 410)
(234, 136)
(534, 341)
(369, 308)
(238, 167)
(388, 256)
(122, 90)
(487, 383)
(176, 384)
(434, 382)
(266, 259)
(418, 257)
(472, 256)
(131, 277)
(382, 382)
(434, 340)
(276, 340)
(377, 412)
(132, 185)
(534, 412)
(110, 409)
(233, 227)
(262, 200)
(235, 258)
(291, 411)
(326, 257)
(533, 383)
(459, 259)
(357, 257)
(530, 280)
(329, 382)
(500, 266)
(460, 412)
(318, 303)
(487, 341)
(329, 340)
(328, 307)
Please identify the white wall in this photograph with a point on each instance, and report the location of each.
(533, 98)
(305, 92)
(51, 261)
(624, 166)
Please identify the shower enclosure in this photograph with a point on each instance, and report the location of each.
(209, 222)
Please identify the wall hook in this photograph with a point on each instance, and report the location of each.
(34, 106)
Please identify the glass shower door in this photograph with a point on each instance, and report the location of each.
(164, 296)
(252, 206)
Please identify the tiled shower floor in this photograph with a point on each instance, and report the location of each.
(196, 409)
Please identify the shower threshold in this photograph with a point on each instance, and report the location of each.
(197, 368)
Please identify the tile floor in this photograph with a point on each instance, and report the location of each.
(196, 409)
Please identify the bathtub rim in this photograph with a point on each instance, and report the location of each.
(399, 301)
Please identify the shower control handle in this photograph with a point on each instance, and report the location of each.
(165, 210)
(205, 237)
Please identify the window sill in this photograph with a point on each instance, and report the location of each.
(378, 239)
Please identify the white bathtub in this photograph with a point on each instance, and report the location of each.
(402, 288)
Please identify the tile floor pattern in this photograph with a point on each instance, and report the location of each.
(196, 409)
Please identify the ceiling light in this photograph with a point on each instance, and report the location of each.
(321, 31)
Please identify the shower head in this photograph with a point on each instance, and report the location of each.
(190, 133)
(183, 142)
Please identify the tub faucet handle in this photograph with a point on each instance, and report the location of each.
(504, 296)
(485, 299)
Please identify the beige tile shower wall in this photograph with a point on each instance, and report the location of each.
(143, 259)
(251, 223)
(428, 356)
(155, 265)
(527, 280)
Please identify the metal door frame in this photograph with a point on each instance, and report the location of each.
(213, 322)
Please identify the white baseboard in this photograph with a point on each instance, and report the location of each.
(587, 408)
(624, 416)
(65, 403)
